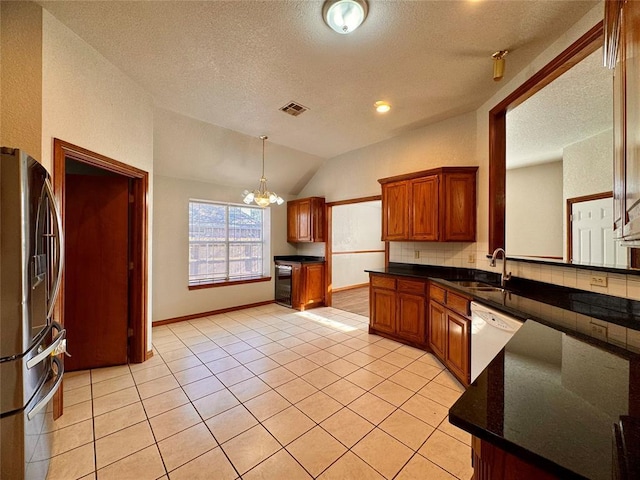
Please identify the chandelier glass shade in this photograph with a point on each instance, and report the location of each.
(344, 16)
(261, 196)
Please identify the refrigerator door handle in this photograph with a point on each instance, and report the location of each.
(59, 246)
(62, 333)
(43, 402)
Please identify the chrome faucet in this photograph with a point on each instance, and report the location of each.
(492, 263)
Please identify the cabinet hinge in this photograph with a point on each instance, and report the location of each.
(131, 198)
(130, 265)
(130, 332)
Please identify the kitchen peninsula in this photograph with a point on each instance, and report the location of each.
(552, 396)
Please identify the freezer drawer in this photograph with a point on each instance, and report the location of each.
(24, 443)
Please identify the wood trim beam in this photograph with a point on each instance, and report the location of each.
(576, 52)
(372, 198)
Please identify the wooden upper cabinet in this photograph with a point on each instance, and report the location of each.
(432, 205)
(395, 216)
(459, 219)
(305, 220)
(622, 21)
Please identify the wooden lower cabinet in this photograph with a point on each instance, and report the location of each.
(437, 329)
(398, 308)
(411, 318)
(493, 463)
(458, 343)
(449, 331)
(307, 285)
(383, 310)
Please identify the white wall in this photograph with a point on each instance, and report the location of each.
(355, 227)
(171, 296)
(535, 210)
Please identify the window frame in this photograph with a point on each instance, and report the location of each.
(266, 248)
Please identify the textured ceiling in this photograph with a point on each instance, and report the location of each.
(574, 107)
(234, 63)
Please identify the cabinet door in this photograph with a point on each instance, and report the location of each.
(297, 286)
(313, 284)
(424, 209)
(292, 221)
(410, 320)
(458, 345)
(304, 220)
(317, 216)
(619, 155)
(630, 37)
(383, 310)
(437, 329)
(395, 212)
(459, 213)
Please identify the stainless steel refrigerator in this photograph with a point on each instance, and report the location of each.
(31, 259)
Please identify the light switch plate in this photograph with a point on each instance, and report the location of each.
(416, 254)
(599, 331)
(598, 280)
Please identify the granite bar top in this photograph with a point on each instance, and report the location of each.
(526, 299)
(298, 259)
(552, 399)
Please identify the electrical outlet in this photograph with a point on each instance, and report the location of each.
(598, 280)
(416, 254)
(472, 258)
(598, 331)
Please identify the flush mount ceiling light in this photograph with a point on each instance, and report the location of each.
(498, 64)
(382, 107)
(261, 196)
(344, 16)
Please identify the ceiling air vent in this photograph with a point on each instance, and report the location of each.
(294, 109)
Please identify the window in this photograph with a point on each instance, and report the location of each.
(227, 242)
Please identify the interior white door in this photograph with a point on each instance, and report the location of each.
(592, 234)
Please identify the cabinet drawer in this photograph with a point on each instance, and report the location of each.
(412, 286)
(438, 294)
(383, 282)
(458, 304)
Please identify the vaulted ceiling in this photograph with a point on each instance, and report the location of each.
(235, 63)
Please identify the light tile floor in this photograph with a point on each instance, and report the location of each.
(264, 393)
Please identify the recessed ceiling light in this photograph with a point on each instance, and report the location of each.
(382, 107)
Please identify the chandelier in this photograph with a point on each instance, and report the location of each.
(261, 196)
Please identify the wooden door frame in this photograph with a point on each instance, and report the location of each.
(570, 202)
(576, 52)
(138, 294)
(328, 251)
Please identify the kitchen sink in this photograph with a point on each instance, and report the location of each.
(478, 286)
(471, 284)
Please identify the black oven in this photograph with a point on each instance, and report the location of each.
(283, 284)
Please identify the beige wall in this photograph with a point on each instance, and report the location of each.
(535, 210)
(588, 166)
(21, 76)
(355, 174)
(87, 101)
(171, 296)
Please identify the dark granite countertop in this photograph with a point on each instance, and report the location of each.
(527, 298)
(552, 399)
(298, 259)
(552, 395)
